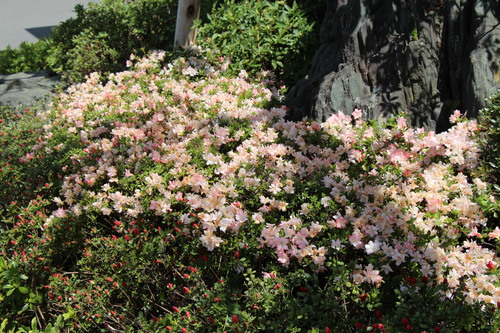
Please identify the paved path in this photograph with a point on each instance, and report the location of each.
(29, 20)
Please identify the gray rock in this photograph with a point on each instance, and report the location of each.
(27, 88)
(424, 57)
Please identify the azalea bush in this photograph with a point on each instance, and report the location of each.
(184, 201)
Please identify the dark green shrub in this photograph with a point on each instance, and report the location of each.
(490, 121)
(261, 35)
(28, 57)
(91, 53)
(102, 37)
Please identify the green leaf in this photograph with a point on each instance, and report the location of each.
(23, 290)
(34, 325)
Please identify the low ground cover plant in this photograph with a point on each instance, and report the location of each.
(184, 201)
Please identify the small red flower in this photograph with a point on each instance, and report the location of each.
(359, 326)
(236, 255)
(405, 321)
(363, 297)
(327, 329)
(411, 280)
(235, 319)
(490, 265)
(186, 290)
(425, 279)
(176, 309)
(183, 330)
(408, 328)
(437, 329)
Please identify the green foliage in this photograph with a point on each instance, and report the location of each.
(101, 37)
(280, 36)
(91, 53)
(262, 35)
(17, 297)
(489, 121)
(28, 57)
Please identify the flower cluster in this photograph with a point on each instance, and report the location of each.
(212, 153)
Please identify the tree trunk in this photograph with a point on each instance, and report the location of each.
(424, 57)
(187, 12)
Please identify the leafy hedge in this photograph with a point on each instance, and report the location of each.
(100, 38)
(28, 57)
(263, 35)
(180, 200)
(256, 35)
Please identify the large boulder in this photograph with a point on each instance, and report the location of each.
(424, 57)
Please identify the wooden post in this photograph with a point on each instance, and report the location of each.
(187, 12)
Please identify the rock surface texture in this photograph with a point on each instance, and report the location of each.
(26, 88)
(425, 57)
